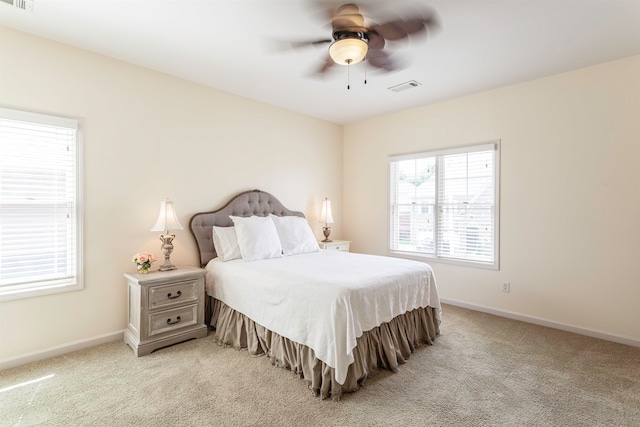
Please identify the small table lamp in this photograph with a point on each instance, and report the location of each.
(327, 218)
(167, 221)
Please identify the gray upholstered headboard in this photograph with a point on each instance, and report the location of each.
(254, 202)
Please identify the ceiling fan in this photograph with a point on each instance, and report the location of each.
(355, 38)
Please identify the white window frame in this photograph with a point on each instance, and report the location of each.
(421, 256)
(76, 280)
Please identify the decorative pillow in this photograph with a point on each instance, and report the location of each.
(257, 237)
(225, 242)
(295, 235)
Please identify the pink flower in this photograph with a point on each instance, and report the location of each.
(144, 258)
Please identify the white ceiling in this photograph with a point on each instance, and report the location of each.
(236, 46)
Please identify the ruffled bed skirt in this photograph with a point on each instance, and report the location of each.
(386, 346)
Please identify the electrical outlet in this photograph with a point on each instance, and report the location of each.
(506, 287)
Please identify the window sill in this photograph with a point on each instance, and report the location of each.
(14, 294)
(433, 259)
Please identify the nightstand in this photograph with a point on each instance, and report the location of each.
(336, 245)
(165, 307)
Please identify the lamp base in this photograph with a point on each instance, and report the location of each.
(167, 267)
(167, 248)
(326, 231)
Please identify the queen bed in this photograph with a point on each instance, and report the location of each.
(334, 318)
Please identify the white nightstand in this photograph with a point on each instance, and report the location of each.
(336, 245)
(165, 307)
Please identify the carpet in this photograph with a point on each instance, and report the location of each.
(483, 370)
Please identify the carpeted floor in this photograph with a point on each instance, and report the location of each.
(482, 371)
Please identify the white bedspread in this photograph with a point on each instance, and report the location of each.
(324, 300)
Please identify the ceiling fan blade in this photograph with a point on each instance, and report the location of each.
(328, 63)
(432, 22)
(306, 43)
(326, 11)
(376, 41)
(323, 10)
(427, 19)
(380, 59)
(399, 29)
(289, 45)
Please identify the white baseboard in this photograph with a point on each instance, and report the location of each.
(60, 349)
(119, 335)
(543, 322)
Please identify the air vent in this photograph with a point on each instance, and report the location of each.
(411, 84)
(20, 4)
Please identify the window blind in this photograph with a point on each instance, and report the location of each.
(443, 204)
(39, 215)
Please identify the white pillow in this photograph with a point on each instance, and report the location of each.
(295, 235)
(257, 237)
(225, 242)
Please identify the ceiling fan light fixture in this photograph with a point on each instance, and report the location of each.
(348, 51)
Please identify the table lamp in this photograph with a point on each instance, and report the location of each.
(167, 221)
(327, 218)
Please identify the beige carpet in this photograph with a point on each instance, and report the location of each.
(483, 371)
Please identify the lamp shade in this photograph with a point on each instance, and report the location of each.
(326, 216)
(167, 220)
(348, 51)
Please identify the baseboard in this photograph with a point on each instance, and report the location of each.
(60, 349)
(119, 335)
(543, 322)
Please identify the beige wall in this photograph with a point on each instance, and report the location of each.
(570, 193)
(570, 235)
(148, 136)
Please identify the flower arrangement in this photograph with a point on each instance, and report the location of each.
(143, 261)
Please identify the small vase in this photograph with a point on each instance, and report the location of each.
(142, 269)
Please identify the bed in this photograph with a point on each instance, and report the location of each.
(333, 318)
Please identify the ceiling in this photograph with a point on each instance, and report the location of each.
(239, 46)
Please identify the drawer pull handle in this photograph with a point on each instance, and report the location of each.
(169, 322)
(177, 295)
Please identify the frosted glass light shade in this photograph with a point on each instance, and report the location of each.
(326, 216)
(167, 219)
(348, 51)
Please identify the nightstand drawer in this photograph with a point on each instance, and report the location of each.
(169, 320)
(339, 247)
(336, 245)
(173, 294)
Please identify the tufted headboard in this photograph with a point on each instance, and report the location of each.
(254, 202)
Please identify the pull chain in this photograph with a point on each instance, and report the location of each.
(348, 74)
(365, 70)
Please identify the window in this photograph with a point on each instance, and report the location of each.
(40, 214)
(444, 205)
